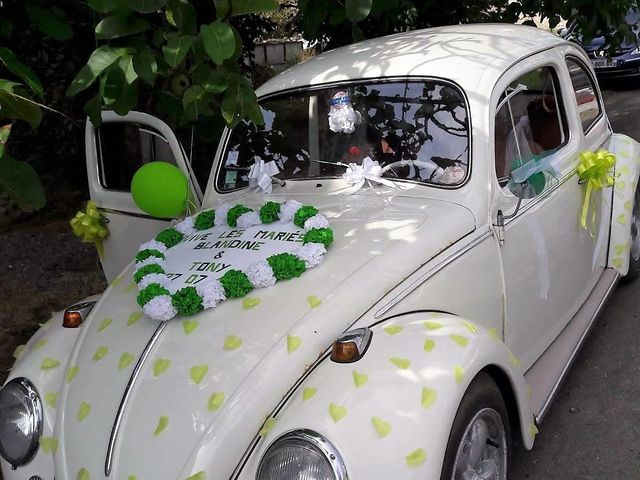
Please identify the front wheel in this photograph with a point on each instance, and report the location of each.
(480, 442)
(634, 251)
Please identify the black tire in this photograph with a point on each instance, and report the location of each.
(481, 395)
(634, 251)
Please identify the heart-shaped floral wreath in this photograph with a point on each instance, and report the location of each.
(160, 304)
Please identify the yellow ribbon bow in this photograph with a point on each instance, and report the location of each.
(88, 225)
(594, 170)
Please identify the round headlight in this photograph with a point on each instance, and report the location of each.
(301, 455)
(20, 421)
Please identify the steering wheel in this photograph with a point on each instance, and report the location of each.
(402, 163)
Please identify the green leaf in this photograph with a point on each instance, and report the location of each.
(116, 26)
(176, 48)
(357, 10)
(47, 22)
(216, 83)
(219, 41)
(21, 182)
(240, 101)
(145, 65)
(18, 107)
(126, 65)
(181, 14)
(102, 58)
(118, 93)
(5, 131)
(146, 6)
(92, 108)
(170, 105)
(18, 68)
(103, 6)
(229, 8)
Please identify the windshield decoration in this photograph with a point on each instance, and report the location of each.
(370, 171)
(225, 253)
(342, 117)
(261, 173)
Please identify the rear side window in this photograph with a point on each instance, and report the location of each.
(123, 147)
(586, 94)
(529, 125)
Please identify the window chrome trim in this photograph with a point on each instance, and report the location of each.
(596, 89)
(319, 443)
(310, 88)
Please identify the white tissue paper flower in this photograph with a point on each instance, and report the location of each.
(221, 214)
(317, 221)
(160, 308)
(342, 117)
(212, 293)
(153, 245)
(260, 274)
(150, 261)
(248, 219)
(311, 254)
(288, 210)
(185, 227)
(150, 278)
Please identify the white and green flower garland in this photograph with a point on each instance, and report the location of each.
(159, 304)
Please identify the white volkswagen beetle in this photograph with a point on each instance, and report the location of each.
(467, 211)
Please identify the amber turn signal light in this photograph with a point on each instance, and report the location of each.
(351, 346)
(76, 314)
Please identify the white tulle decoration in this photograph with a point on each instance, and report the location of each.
(260, 274)
(150, 278)
(317, 221)
(212, 293)
(160, 308)
(186, 227)
(221, 214)
(288, 210)
(311, 254)
(248, 219)
(150, 261)
(342, 117)
(153, 245)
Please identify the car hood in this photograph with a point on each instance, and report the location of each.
(207, 383)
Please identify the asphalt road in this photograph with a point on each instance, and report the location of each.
(592, 430)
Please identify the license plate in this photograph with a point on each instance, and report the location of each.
(604, 63)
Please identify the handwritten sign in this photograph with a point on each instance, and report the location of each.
(211, 253)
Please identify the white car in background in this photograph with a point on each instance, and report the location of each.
(447, 311)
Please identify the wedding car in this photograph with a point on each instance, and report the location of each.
(388, 278)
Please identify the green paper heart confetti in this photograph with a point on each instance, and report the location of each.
(393, 329)
(293, 343)
(101, 352)
(51, 399)
(250, 302)
(429, 397)
(460, 340)
(359, 379)
(48, 363)
(314, 302)
(382, 428)
(125, 360)
(337, 412)
(48, 444)
(308, 392)
(267, 427)
(198, 372)
(429, 345)
(160, 366)
(163, 422)
(105, 324)
(401, 363)
(215, 401)
(232, 343)
(83, 411)
(134, 317)
(83, 474)
(189, 326)
(416, 458)
(72, 372)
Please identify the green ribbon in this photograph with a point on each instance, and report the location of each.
(89, 226)
(594, 170)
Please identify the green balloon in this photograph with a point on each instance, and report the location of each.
(160, 189)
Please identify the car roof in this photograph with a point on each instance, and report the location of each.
(474, 56)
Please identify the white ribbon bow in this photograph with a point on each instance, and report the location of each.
(261, 173)
(369, 171)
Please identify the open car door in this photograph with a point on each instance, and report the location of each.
(114, 152)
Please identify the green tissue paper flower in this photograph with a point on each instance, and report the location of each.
(205, 220)
(146, 270)
(305, 212)
(286, 266)
(269, 212)
(236, 284)
(187, 301)
(319, 235)
(234, 213)
(170, 237)
(149, 252)
(149, 292)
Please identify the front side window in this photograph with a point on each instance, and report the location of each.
(415, 130)
(586, 95)
(123, 147)
(529, 126)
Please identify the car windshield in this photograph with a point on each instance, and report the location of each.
(415, 130)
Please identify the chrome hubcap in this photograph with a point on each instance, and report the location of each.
(635, 228)
(482, 453)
